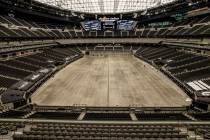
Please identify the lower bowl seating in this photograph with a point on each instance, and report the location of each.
(27, 72)
(100, 131)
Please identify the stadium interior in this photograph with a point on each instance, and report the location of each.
(104, 69)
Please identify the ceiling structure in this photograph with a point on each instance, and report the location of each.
(105, 6)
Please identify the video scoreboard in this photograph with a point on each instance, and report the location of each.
(109, 24)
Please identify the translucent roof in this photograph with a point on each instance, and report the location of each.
(105, 6)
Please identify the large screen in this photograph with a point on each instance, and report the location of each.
(109, 24)
(92, 25)
(126, 25)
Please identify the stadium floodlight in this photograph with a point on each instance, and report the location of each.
(105, 6)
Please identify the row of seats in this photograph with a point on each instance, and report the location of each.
(202, 130)
(196, 26)
(29, 29)
(188, 21)
(6, 32)
(4, 19)
(13, 72)
(100, 131)
(207, 81)
(6, 82)
(5, 127)
(193, 20)
(186, 31)
(65, 131)
(20, 65)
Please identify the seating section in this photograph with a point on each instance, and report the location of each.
(57, 123)
(13, 72)
(66, 131)
(19, 65)
(22, 74)
(188, 64)
(6, 82)
(187, 28)
(207, 81)
(29, 60)
(11, 27)
(63, 130)
(202, 130)
(190, 70)
(8, 127)
(183, 65)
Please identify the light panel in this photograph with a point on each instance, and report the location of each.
(105, 6)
